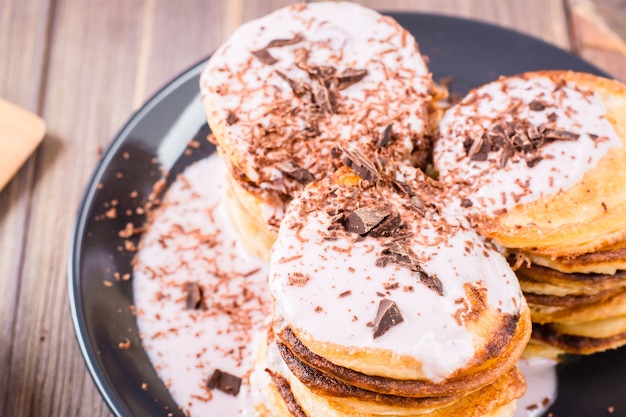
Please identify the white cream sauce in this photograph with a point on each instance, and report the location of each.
(541, 386)
(185, 346)
(191, 239)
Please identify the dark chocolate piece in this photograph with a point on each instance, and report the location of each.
(361, 165)
(324, 99)
(194, 296)
(385, 137)
(276, 43)
(388, 315)
(388, 227)
(350, 76)
(298, 88)
(293, 170)
(399, 254)
(364, 219)
(264, 56)
(536, 105)
(225, 382)
(533, 161)
(231, 118)
(311, 120)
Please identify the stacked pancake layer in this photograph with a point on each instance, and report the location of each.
(537, 161)
(288, 91)
(386, 303)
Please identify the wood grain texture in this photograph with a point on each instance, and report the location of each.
(596, 34)
(22, 66)
(93, 56)
(85, 65)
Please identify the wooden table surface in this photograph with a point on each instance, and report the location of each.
(85, 66)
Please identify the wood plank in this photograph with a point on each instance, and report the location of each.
(177, 35)
(593, 37)
(23, 41)
(549, 25)
(92, 69)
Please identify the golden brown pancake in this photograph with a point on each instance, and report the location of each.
(573, 344)
(543, 174)
(286, 92)
(608, 260)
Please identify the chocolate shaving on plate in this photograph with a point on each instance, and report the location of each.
(225, 382)
(388, 316)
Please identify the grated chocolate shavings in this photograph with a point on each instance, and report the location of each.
(536, 105)
(298, 279)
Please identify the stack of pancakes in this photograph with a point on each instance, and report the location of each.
(287, 92)
(387, 303)
(538, 161)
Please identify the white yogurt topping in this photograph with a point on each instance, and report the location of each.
(431, 331)
(342, 35)
(492, 188)
(191, 239)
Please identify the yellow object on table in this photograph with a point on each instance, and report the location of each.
(20, 133)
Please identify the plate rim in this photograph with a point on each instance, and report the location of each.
(89, 351)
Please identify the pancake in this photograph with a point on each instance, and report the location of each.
(608, 260)
(388, 303)
(541, 280)
(607, 307)
(293, 396)
(285, 92)
(548, 335)
(559, 194)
